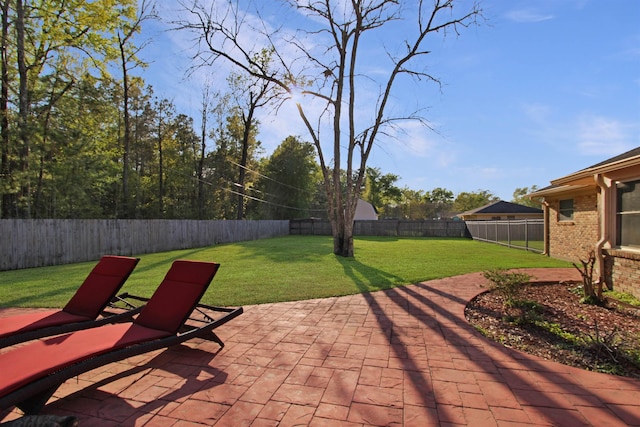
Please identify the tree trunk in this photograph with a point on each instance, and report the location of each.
(160, 170)
(343, 241)
(245, 154)
(38, 205)
(127, 133)
(5, 170)
(23, 113)
(200, 164)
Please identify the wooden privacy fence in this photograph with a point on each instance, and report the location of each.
(523, 234)
(387, 227)
(26, 243)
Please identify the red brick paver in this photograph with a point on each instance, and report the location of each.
(401, 357)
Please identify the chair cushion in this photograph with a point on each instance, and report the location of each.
(177, 295)
(28, 363)
(37, 320)
(102, 283)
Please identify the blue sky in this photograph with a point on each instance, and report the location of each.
(540, 90)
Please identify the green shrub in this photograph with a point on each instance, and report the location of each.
(509, 285)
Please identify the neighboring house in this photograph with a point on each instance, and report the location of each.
(501, 210)
(365, 211)
(598, 209)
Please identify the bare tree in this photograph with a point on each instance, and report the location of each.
(322, 64)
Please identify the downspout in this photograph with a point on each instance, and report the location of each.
(603, 219)
(545, 211)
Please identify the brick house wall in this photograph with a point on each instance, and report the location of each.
(596, 192)
(622, 271)
(573, 240)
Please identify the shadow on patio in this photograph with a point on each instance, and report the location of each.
(404, 356)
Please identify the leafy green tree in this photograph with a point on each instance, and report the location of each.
(519, 197)
(127, 54)
(287, 182)
(164, 114)
(6, 192)
(250, 94)
(218, 170)
(467, 201)
(212, 103)
(141, 173)
(77, 158)
(419, 205)
(410, 205)
(414, 202)
(47, 44)
(380, 190)
(183, 171)
(224, 161)
(440, 202)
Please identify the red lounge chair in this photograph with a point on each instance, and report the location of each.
(30, 374)
(96, 292)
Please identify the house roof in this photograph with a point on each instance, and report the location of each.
(584, 177)
(630, 158)
(502, 207)
(624, 156)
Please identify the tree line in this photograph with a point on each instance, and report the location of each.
(83, 136)
(392, 201)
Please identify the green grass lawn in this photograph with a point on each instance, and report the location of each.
(285, 269)
(533, 244)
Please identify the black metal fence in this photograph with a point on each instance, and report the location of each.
(523, 234)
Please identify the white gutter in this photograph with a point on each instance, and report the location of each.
(594, 171)
(545, 205)
(603, 217)
(556, 190)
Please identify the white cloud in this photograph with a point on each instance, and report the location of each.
(602, 136)
(274, 128)
(538, 112)
(527, 15)
(588, 134)
(414, 140)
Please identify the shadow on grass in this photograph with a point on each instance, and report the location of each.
(367, 278)
(7, 301)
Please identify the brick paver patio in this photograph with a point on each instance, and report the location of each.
(404, 356)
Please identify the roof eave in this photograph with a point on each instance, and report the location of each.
(582, 177)
(557, 190)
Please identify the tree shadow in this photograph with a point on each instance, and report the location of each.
(446, 318)
(367, 278)
(188, 367)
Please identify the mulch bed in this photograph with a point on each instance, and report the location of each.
(555, 325)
